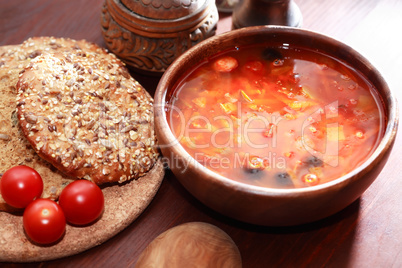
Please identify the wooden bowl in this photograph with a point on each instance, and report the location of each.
(265, 206)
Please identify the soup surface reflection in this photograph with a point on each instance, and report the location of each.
(278, 117)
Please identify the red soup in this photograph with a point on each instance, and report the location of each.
(279, 117)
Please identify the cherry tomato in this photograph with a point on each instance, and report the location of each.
(20, 185)
(82, 202)
(44, 221)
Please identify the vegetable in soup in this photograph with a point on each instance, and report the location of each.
(278, 117)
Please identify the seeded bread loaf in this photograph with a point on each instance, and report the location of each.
(82, 112)
(15, 149)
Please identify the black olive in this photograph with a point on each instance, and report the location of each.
(252, 170)
(314, 161)
(283, 179)
(253, 173)
(271, 54)
(254, 165)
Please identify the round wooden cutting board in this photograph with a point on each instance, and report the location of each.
(123, 202)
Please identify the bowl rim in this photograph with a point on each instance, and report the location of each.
(386, 142)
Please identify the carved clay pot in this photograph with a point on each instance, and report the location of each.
(149, 34)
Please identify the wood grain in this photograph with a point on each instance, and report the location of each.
(365, 234)
(193, 244)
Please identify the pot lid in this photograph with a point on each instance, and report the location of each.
(164, 9)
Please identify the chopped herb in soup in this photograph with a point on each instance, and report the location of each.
(278, 117)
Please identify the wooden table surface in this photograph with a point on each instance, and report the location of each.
(368, 233)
